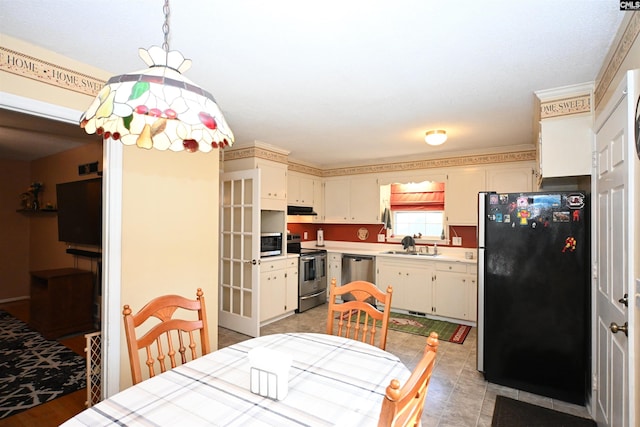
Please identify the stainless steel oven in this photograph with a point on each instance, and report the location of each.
(312, 274)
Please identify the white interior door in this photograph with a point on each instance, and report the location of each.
(239, 290)
(613, 213)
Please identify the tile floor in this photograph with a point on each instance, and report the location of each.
(458, 395)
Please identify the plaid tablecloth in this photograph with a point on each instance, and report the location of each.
(332, 381)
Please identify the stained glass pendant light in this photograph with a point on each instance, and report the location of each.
(158, 107)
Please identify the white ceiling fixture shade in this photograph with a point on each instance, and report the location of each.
(435, 137)
(158, 107)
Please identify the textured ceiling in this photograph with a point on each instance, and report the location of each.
(351, 81)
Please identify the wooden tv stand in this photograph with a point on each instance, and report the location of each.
(61, 302)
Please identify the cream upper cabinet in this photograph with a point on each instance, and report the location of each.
(273, 184)
(461, 195)
(273, 166)
(300, 189)
(566, 136)
(566, 146)
(352, 200)
(511, 179)
(336, 200)
(318, 200)
(365, 200)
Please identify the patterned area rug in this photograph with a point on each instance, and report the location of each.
(419, 325)
(34, 370)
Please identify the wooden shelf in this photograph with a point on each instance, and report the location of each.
(31, 212)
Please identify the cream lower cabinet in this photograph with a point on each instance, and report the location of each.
(278, 288)
(334, 270)
(455, 291)
(411, 282)
(445, 289)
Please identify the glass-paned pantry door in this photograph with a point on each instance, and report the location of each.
(239, 299)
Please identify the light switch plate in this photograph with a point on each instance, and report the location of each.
(380, 237)
(457, 241)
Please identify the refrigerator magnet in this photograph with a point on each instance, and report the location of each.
(569, 245)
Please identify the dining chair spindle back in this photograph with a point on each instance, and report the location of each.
(170, 338)
(357, 318)
(403, 406)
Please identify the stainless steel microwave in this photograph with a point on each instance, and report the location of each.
(270, 244)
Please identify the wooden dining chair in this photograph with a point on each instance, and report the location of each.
(165, 336)
(402, 406)
(357, 318)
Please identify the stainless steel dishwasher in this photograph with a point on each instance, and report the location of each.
(358, 267)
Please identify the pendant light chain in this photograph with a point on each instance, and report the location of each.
(165, 26)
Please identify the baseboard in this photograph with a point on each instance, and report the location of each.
(2, 301)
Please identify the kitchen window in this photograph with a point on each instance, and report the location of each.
(418, 209)
(412, 223)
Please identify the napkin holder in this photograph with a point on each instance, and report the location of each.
(269, 373)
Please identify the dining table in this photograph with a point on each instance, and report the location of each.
(332, 381)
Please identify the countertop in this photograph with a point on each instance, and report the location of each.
(448, 254)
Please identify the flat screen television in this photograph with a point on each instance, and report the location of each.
(80, 212)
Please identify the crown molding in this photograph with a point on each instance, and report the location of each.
(33, 68)
(469, 160)
(616, 59)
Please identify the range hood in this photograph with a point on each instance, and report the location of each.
(300, 210)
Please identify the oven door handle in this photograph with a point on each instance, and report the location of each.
(312, 295)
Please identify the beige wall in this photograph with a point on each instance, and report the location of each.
(30, 242)
(14, 231)
(35, 89)
(169, 231)
(169, 207)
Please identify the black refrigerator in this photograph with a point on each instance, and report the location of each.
(534, 293)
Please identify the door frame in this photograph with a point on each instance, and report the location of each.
(628, 90)
(111, 231)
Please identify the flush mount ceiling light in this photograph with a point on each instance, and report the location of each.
(435, 137)
(158, 107)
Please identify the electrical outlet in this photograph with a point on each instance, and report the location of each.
(380, 237)
(457, 241)
(306, 235)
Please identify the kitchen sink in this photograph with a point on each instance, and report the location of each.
(409, 253)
